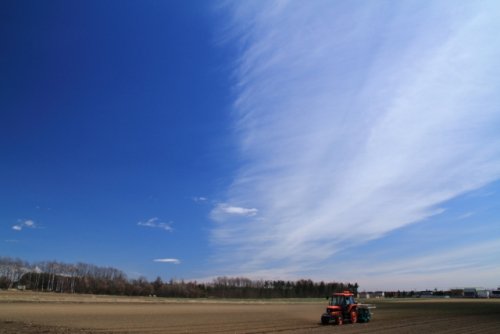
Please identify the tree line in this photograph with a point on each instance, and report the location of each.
(53, 276)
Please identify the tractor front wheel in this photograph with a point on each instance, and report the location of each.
(339, 321)
(354, 317)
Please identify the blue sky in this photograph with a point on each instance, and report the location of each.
(353, 141)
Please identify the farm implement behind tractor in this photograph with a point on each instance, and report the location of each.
(342, 307)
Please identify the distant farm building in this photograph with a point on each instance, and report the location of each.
(483, 293)
(476, 293)
(370, 294)
(430, 294)
(425, 294)
(495, 293)
(470, 292)
(364, 295)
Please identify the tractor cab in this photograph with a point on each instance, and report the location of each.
(342, 299)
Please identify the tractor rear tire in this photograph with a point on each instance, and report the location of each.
(364, 315)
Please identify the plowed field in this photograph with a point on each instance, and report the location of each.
(25, 312)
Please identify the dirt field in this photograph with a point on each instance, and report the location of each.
(26, 312)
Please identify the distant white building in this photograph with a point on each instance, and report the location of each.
(483, 293)
(371, 294)
(364, 295)
(476, 293)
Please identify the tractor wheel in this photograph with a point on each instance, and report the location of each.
(325, 320)
(339, 320)
(354, 317)
(364, 315)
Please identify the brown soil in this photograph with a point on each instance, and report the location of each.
(26, 312)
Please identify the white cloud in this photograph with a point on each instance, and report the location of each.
(224, 211)
(28, 223)
(200, 199)
(156, 223)
(173, 261)
(235, 210)
(354, 121)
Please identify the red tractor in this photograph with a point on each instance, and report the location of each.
(342, 307)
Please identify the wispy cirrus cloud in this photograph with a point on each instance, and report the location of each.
(354, 121)
(24, 224)
(156, 223)
(452, 267)
(173, 261)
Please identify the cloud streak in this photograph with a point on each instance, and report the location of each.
(473, 264)
(354, 121)
(23, 224)
(198, 199)
(223, 211)
(173, 261)
(156, 223)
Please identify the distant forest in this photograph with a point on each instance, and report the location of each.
(85, 278)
